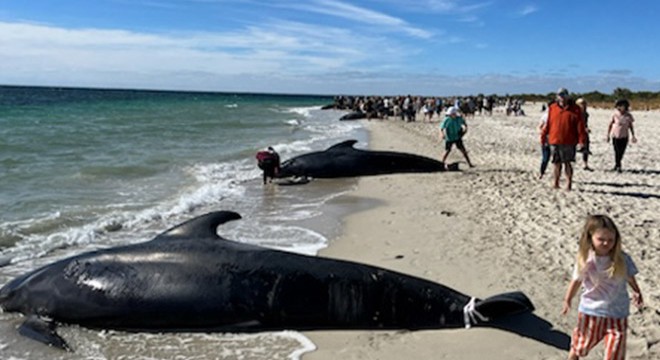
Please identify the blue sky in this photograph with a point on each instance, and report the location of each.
(426, 47)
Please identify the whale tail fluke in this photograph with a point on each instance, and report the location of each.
(505, 304)
(497, 306)
(512, 312)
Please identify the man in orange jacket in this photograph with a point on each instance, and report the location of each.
(564, 130)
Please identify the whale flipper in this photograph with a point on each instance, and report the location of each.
(204, 226)
(43, 331)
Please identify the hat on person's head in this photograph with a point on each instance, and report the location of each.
(451, 111)
(562, 92)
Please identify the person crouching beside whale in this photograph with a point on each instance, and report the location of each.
(452, 130)
(269, 161)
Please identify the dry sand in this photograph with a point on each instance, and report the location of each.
(497, 228)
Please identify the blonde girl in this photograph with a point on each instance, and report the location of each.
(602, 269)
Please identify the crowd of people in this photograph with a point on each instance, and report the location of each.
(408, 107)
(564, 125)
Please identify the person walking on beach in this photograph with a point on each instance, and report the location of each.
(603, 270)
(545, 147)
(407, 110)
(621, 124)
(269, 161)
(585, 149)
(563, 131)
(452, 129)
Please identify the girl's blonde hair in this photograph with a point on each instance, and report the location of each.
(593, 224)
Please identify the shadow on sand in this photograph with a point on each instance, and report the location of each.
(624, 185)
(533, 327)
(638, 195)
(642, 171)
(614, 184)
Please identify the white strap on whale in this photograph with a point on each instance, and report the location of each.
(470, 314)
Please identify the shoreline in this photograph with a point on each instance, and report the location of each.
(492, 229)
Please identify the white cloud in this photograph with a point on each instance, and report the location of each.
(31, 46)
(42, 54)
(269, 56)
(439, 5)
(474, 7)
(254, 50)
(361, 15)
(527, 10)
(472, 20)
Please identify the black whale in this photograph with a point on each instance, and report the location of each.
(343, 160)
(355, 115)
(188, 278)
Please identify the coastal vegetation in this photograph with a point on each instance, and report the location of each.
(640, 100)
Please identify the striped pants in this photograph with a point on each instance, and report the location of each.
(591, 330)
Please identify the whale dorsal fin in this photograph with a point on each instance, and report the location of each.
(342, 145)
(204, 226)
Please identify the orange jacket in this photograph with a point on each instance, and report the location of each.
(565, 126)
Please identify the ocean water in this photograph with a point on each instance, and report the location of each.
(84, 169)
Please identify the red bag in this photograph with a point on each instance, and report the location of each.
(266, 159)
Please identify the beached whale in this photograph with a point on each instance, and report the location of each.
(190, 279)
(343, 160)
(353, 115)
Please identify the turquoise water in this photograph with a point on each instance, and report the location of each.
(82, 169)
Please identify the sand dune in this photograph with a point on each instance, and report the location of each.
(496, 228)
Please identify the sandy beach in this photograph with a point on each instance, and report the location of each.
(497, 228)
